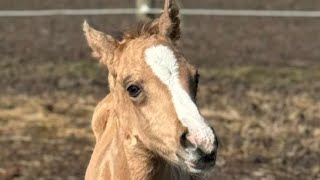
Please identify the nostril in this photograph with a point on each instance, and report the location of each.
(184, 140)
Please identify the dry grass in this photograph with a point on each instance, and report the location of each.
(266, 118)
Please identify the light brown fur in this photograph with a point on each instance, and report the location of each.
(138, 138)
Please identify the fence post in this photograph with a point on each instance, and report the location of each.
(143, 7)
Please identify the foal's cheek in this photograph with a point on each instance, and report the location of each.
(100, 119)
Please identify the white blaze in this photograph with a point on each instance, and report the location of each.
(164, 64)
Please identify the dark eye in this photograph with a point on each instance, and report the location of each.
(134, 90)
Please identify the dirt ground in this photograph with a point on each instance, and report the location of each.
(259, 87)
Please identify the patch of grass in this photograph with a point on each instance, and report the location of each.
(84, 69)
(261, 130)
(262, 75)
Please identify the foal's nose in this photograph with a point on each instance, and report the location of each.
(206, 143)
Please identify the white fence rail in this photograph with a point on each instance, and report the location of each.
(119, 11)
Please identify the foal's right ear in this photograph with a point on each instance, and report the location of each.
(103, 45)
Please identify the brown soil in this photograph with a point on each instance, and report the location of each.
(260, 84)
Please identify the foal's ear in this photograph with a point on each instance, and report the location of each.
(169, 22)
(102, 44)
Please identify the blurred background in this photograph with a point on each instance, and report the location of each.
(259, 87)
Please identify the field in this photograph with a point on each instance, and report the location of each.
(259, 87)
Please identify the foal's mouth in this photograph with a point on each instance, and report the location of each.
(199, 165)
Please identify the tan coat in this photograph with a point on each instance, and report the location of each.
(137, 129)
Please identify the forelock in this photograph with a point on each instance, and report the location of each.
(146, 29)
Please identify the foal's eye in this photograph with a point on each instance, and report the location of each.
(134, 90)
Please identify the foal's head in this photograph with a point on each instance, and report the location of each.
(154, 89)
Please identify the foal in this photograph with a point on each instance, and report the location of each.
(148, 126)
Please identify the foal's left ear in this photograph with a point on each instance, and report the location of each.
(169, 22)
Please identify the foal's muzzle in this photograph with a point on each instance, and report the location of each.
(198, 159)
